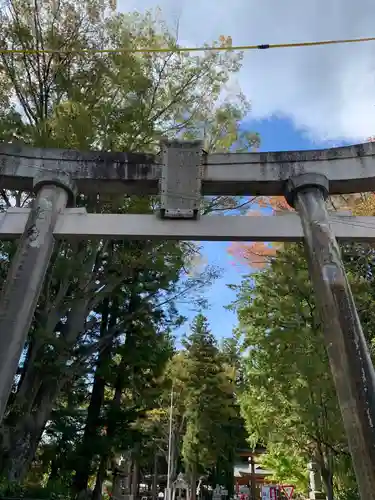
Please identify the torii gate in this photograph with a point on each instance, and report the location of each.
(181, 175)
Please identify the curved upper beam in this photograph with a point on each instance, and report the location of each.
(349, 169)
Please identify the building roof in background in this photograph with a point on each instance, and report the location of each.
(241, 470)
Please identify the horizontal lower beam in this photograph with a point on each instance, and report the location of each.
(76, 224)
(350, 169)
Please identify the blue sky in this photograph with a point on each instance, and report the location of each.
(277, 134)
(328, 92)
(328, 89)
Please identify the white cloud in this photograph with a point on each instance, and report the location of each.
(329, 90)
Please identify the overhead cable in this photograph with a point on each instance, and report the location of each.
(176, 49)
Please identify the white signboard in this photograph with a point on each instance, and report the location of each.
(266, 493)
(269, 492)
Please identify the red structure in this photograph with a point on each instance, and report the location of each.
(249, 474)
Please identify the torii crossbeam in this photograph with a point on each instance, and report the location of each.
(181, 175)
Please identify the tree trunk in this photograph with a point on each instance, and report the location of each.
(155, 478)
(100, 477)
(86, 450)
(327, 477)
(174, 455)
(193, 485)
(26, 433)
(22, 454)
(54, 472)
(25, 440)
(135, 478)
(253, 478)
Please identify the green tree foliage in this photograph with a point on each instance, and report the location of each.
(206, 424)
(287, 464)
(289, 400)
(87, 370)
(114, 100)
(156, 424)
(209, 400)
(233, 429)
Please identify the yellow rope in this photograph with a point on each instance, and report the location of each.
(185, 49)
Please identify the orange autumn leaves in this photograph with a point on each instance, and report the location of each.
(258, 253)
(275, 203)
(225, 41)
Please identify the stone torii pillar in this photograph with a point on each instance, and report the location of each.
(352, 369)
(54, 191)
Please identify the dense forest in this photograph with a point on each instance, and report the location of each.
(90, 408)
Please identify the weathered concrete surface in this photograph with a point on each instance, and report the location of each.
(94, 171)
(349, 356)
(75, 223)
(24, 282)
(349, 169)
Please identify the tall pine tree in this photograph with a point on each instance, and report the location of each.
(209, 401)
